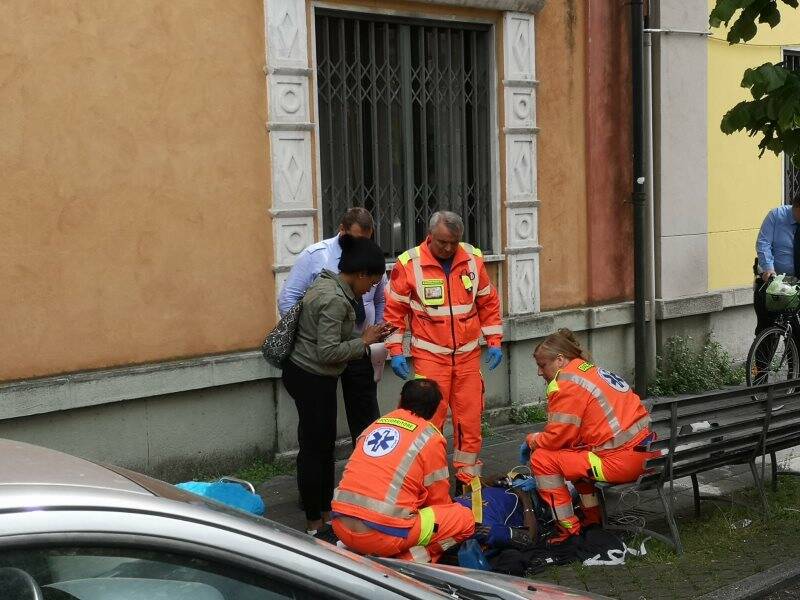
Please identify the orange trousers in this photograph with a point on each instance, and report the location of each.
(462, 390)
(552, 468)
(454, 523)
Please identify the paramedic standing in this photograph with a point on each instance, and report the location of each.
(440, 290)
(594, 423)
(394, 497)
(359, 388)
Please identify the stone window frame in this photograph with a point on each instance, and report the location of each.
(293, 136)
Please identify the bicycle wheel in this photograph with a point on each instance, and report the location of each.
(772, 358)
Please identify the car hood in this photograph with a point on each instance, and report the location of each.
(471, 584)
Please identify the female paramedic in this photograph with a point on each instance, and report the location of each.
(594, 424)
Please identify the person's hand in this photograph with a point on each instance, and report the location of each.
(372, 334)
(766, 275)
(494, 356)
(400, 367)
(387, 329)
(530, 439)
(524, 453)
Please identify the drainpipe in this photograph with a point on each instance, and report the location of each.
(650, 201)
(638, 200)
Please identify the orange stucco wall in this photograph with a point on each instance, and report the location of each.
(133, 205)
(561, 102)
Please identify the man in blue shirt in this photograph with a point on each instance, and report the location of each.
(358, 384)
(778, 248)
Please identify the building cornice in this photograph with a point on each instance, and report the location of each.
(527, 6)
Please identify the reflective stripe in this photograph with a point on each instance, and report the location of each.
(552, 387)
(372, 504)
(626, 436)
(442, 311)
(557, 417)
(564, 511)
(467, 458)
(395, 338)
(427, 521)
(399, 297)
(598, 395)
(484, 291)
(437, 349)
(477, 500)
(597, 466)
(431, 478)
(406, 463)
(404, 258)
(589, 500)
(419, 554)
(549, 482)
(492, 330)
(474, 470)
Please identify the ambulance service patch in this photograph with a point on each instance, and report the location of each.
(381, 441)
(614, 380)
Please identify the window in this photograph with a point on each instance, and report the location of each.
(404, 124)
(791, 181)
(85, 573)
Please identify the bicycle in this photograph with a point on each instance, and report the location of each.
(773, 355)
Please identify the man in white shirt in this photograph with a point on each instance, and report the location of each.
(358, 384)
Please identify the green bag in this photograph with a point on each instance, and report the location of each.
(782, 294)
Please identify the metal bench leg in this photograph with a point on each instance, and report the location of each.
(774, 467)
(628, 528)
(670, 516)
(696, 494)
(760, 485)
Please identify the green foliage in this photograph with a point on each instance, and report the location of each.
(685, 369)
(774, 112)
(528, 413)
(256, 471)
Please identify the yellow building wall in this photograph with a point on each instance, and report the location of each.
(741, 187)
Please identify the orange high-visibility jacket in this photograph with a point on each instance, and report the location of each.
(399, 466)
(446, 315)
(592, 409)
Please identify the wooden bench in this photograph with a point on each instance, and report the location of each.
(747, 424)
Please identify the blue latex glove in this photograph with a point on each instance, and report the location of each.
(526, 484)
(494, 356)
(400, 367)
(524, 453)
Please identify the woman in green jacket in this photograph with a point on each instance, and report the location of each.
(325, 343)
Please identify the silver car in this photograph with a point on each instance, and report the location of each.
(71, 529)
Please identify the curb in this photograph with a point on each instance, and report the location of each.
(758, 585)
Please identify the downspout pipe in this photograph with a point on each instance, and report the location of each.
(650, 201)
(639, 201)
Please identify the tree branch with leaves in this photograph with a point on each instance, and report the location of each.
(774, 112)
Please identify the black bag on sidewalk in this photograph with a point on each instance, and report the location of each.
(279, 342)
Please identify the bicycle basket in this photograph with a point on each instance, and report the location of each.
(782, 295)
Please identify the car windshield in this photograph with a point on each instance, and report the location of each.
(452, 589)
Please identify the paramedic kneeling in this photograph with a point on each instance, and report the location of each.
(594, 423)
(394, 497)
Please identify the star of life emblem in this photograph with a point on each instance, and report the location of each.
(614, 380)
(381, 441)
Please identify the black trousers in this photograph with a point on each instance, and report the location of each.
(315, 398)
(764, 318)
(360, 396)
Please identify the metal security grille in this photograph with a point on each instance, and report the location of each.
(791, 182)
(404, 124)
